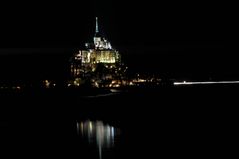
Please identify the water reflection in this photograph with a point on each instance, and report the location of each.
(98, 132)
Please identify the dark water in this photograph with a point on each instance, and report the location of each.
(185, 121)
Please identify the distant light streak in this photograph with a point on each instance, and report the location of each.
(206, 82)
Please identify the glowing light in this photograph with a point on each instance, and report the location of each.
(114, 81)
(88, 57)
(90, 126)
(206, 82)
(82, 127)
(141, 80)
(96, 85)
(112, 132)
(117, 85)
(47, 83)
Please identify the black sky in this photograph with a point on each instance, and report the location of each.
(124, 22)
(165, 36)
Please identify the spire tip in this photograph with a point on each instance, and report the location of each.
(96, 25)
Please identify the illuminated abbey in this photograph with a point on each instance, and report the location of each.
(98, 61)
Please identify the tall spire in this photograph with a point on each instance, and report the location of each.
(96, 25)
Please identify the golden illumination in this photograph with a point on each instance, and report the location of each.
(47, 84)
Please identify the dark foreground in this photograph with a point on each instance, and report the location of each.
(184, 121)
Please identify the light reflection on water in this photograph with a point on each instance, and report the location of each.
(97, 132)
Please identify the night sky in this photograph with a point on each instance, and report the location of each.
(175, 39)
